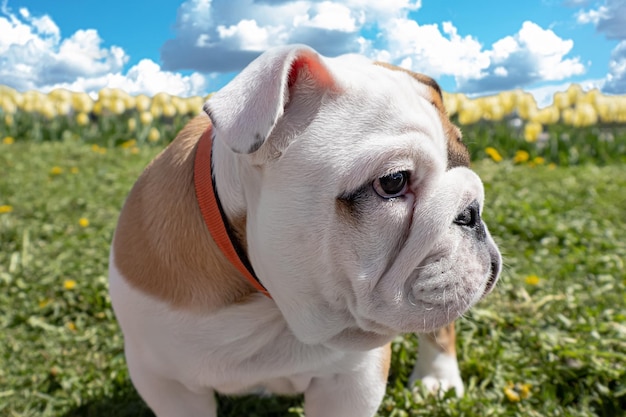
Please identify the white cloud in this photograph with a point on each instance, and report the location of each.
(334, 27)
(144, 78)
(616, 78)
(237, 30)
(34, 56)
(531, 55)
(610, 19)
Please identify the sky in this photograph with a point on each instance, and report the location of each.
(194, 47)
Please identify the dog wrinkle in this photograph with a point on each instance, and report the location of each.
(149, 245)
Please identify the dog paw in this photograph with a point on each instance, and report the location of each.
(438, 385)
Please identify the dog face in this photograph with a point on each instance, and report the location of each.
(358, 222)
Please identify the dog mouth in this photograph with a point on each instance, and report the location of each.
(494, 272)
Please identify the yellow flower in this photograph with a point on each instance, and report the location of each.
(145, 118)
(74, 170)
(129, 144)
(6, 209)
(532, 280)
(517, 392)
(134, 150)
(521, 156)
(132, 125)
(551, 165)
(493, 153)
(539, 160)
(83, 222)
(56, 170)
(511, 394)
(98, 149)
(532, 131)
(154, 134)
(44, 303)
(82, 119)
(69, 284)
(70, 325)
(8, 140)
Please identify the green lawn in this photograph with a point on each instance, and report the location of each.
(556, 321)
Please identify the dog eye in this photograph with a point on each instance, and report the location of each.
(468, 217)
(392, 185)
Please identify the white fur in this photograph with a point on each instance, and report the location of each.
(438, 370)
(177, 359)
(340, 288)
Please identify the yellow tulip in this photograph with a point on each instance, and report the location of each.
(154, 134)
(132, 124)
(82, 119)
(142, 103)
(532, 130)
(145, 118)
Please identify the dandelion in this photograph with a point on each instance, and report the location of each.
(6, 209)
(44, 303)
(56, 170)
(521, 156)
(134, 150)
(8, 140)
(71, 326)
(531, 280)
(74, 170)
(538, 160)
(154, 134)
(82, 119)
(83, 222)
(98, 149)
(517, 392)
(69, 284)
(493, 153)
(129, 144)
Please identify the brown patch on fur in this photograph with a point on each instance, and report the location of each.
(458, 155)
(385, 361)
(162, 245)
(444, 339)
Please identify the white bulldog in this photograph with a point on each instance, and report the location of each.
(343, 192)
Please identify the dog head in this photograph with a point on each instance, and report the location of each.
(362, 215)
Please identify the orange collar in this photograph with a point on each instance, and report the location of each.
(213, 214)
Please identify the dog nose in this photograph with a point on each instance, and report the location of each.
(470, 218)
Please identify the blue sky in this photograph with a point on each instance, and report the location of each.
(195, 46)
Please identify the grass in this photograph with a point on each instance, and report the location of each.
(555, 325)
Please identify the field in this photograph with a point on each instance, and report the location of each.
(550, 340)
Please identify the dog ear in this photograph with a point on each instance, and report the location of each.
(246, 110)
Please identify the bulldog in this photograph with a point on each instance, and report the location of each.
(318, 208)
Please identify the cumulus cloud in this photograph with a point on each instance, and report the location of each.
(225, 35)
(533, 54)
(610, 19)
(35, 56)
(616, 78)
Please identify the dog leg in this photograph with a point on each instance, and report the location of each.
(351, 394)
(436, 365)
(170, 398)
